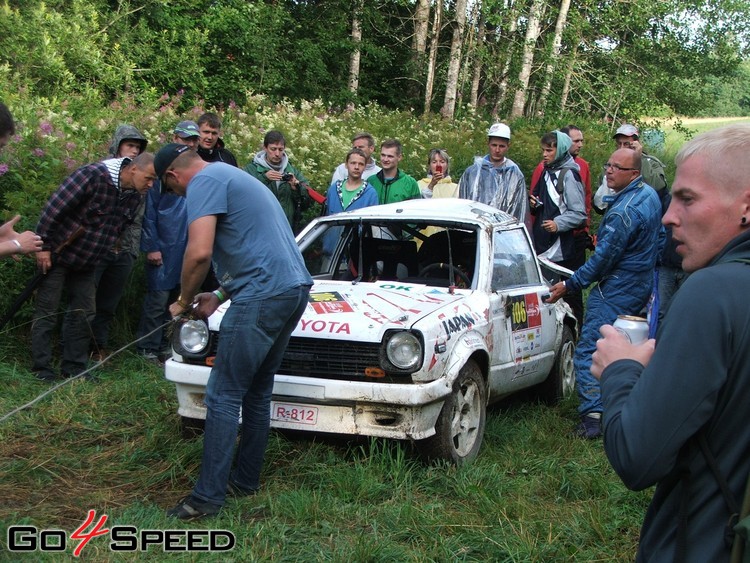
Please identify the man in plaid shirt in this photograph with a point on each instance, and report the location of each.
(80, 222)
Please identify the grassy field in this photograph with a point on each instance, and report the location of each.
(114, 446)
(679, 131)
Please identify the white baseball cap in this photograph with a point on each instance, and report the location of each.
(499, 130)
(626, 129)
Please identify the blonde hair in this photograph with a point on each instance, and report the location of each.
(442, 154)
(727, 150)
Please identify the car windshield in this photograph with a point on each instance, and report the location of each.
(368, 251)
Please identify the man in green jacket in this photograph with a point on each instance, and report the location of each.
(391, 183)
(272, 167)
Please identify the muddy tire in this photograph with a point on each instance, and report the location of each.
(460, 426)
(561, 380)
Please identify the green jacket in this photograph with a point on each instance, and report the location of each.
(293, 202)
(653, 173)
(401, 188)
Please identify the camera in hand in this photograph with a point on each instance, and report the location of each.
(285, 177)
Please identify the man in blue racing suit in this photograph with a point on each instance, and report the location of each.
(622, 266)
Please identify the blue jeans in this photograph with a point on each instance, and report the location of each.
(252, 341)
(605, 302)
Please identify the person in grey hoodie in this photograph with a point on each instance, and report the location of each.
(558, 207)
(272, 167)
(112, 272)
(113, 269)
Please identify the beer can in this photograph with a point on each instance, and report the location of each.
(635, 329)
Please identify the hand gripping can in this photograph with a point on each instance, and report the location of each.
(635, 329)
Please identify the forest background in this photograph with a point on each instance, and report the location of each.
(431, 73)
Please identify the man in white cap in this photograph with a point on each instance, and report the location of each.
(495, 179)
(652, 169)
(670, 275)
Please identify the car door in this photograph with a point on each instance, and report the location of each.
(523, 324)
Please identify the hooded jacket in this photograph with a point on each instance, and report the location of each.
(293, 201)
(126, 132)
(562, 196)
(130, 238)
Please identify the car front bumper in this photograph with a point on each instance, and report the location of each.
(399, 411)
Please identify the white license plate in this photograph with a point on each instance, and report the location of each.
(301, 414)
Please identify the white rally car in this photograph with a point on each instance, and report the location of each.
(421, 314)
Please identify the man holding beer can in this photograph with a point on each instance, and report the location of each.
(622, 266)
(677, 407)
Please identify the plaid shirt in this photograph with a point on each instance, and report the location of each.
(85, 215)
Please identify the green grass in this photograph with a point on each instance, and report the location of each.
(534, 494)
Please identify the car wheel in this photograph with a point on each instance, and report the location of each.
(460, 426)
(561, 380)
(191, 427)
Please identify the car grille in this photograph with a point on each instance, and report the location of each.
(332, 359)
(329, 359)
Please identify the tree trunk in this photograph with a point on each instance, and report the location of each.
(421, 24)
(356, 41)
(419, 47)
(502, 90)
(562, 17)
(568, 78)
(532, 34)
(451, 83)
(477, 55)
(434, 43)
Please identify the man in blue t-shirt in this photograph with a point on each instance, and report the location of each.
(236, 222)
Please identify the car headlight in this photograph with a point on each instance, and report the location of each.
(194, 336)
(404, 350)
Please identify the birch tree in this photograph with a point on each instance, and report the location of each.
(562, 17)
(532, 34)
(454, 66)
(419, 46)
(356, 51)
(473, 99)
(505, 72)
(432, 59)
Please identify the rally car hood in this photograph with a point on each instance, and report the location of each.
(342, 310)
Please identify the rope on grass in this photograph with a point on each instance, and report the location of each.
(78, 376)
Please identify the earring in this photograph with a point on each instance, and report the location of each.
(743, 221)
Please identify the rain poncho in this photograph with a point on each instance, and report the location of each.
(503, 187)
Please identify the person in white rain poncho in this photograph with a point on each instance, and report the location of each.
(495, 179)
